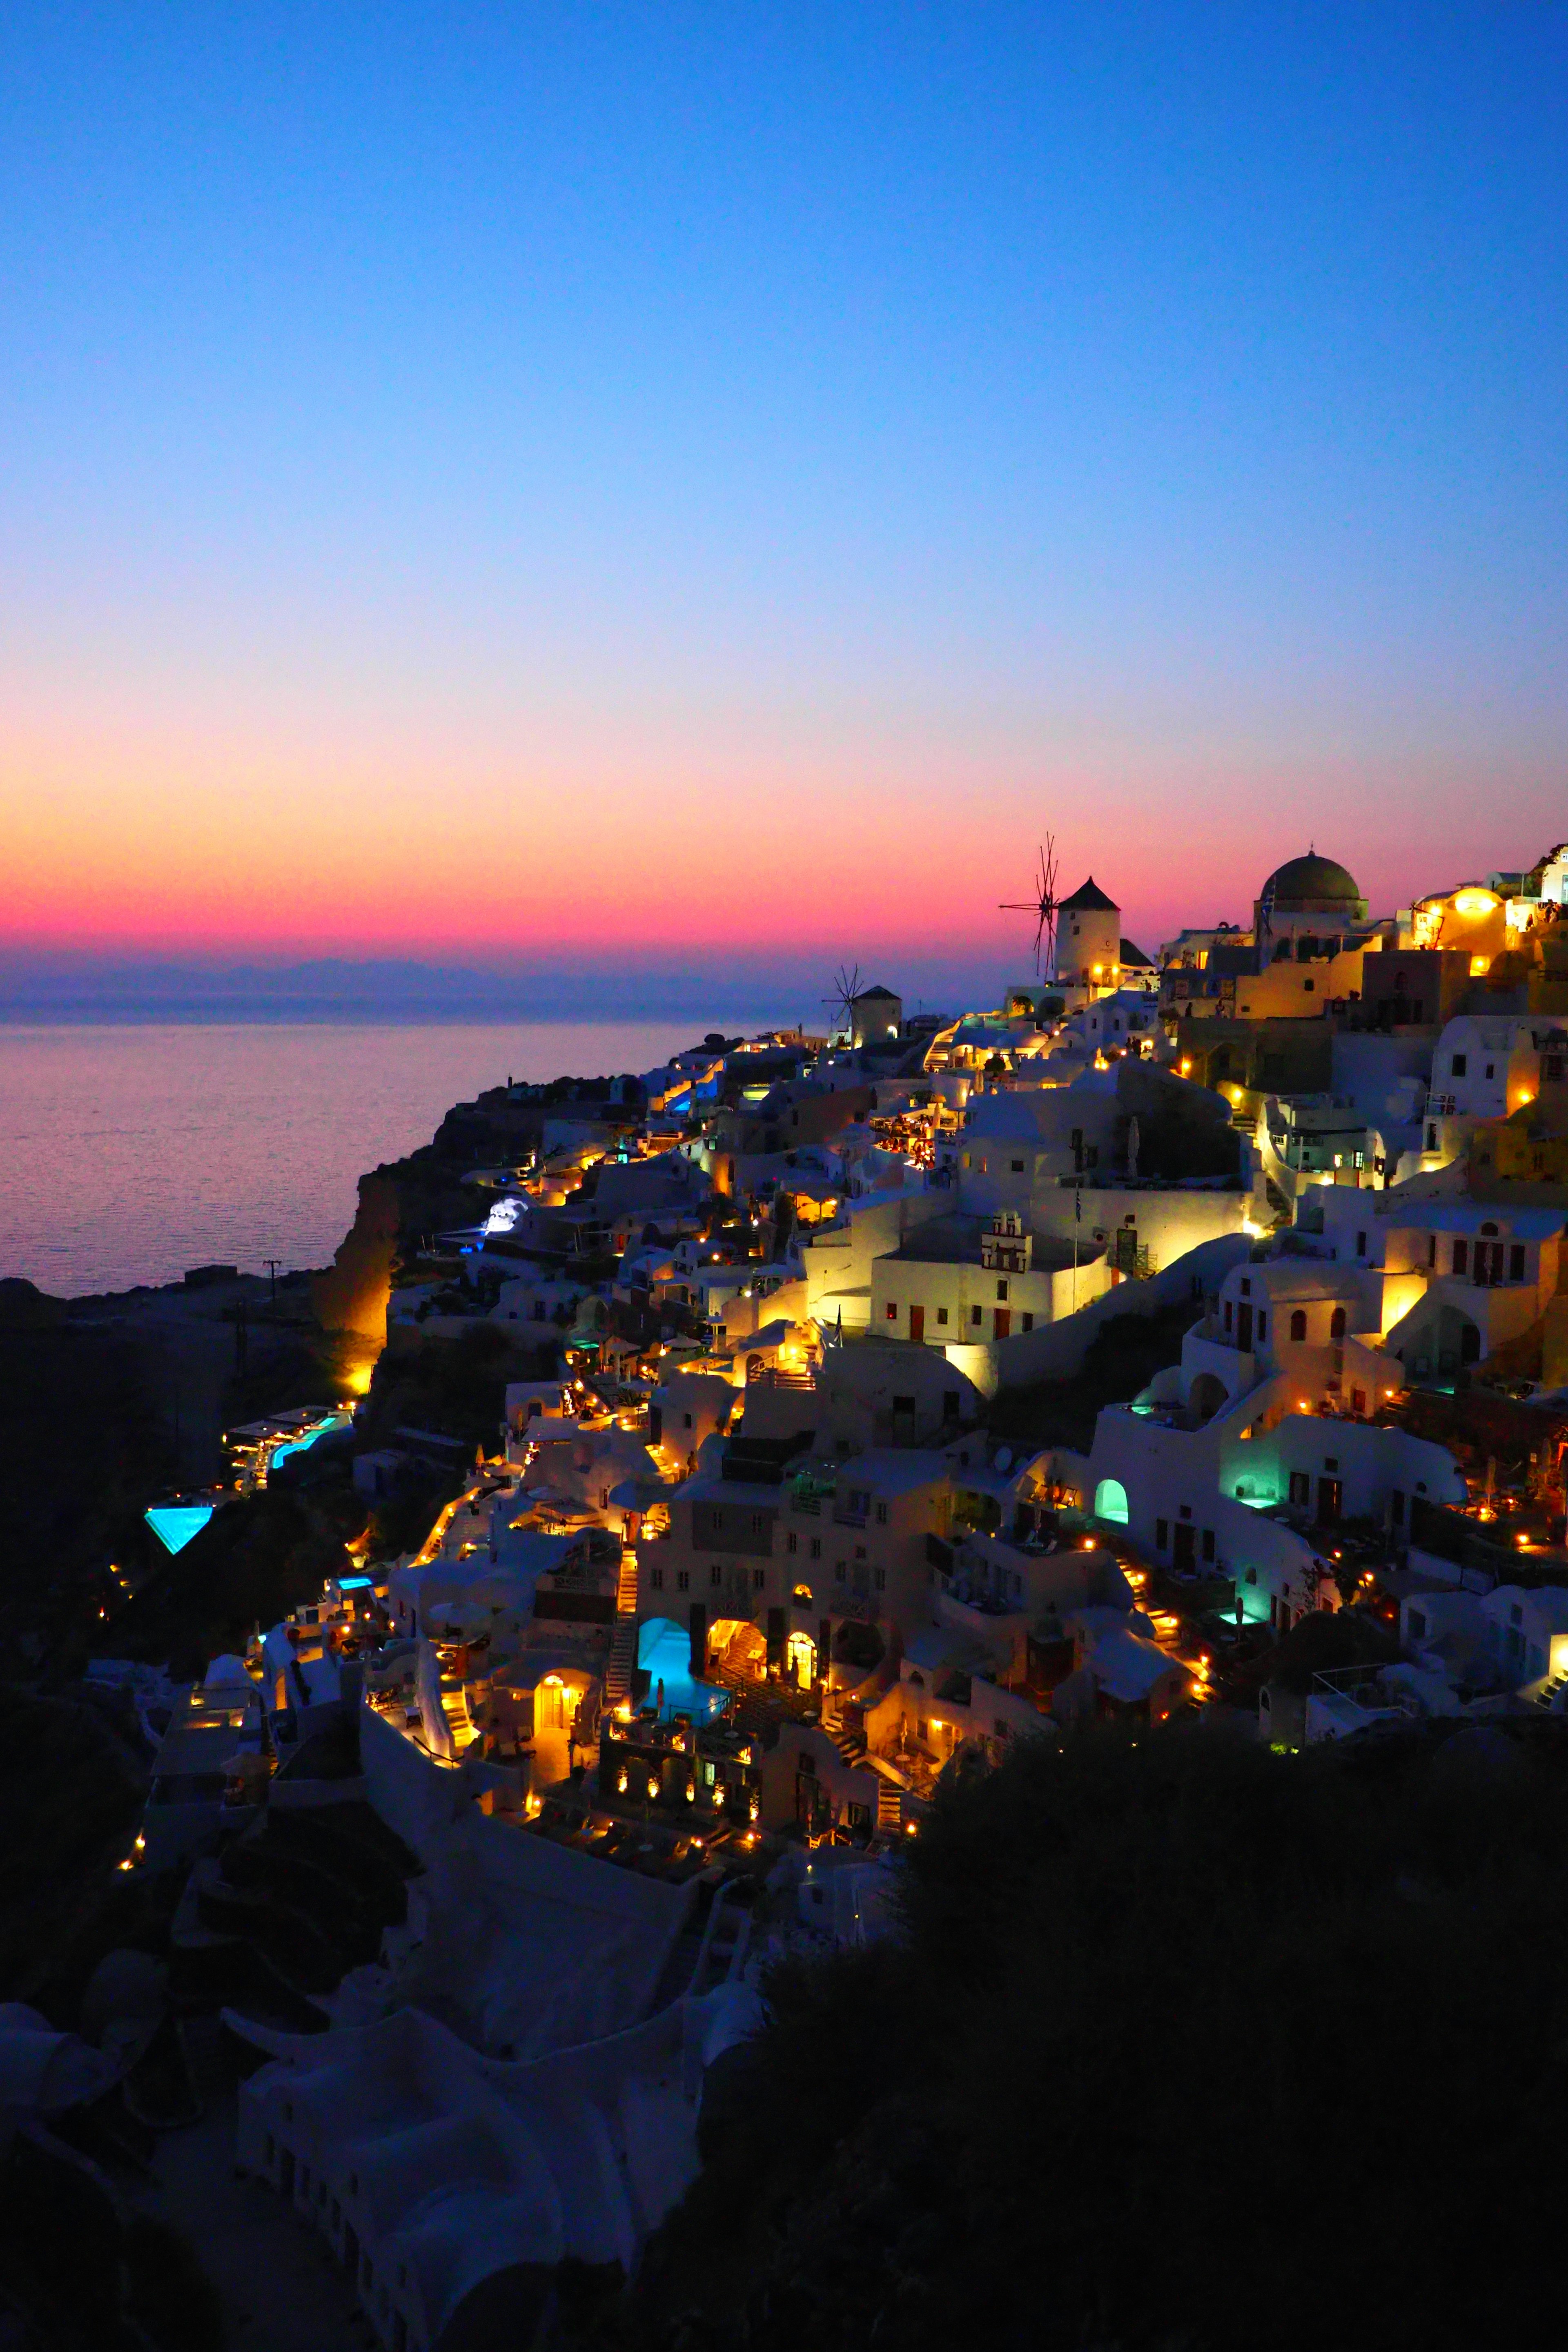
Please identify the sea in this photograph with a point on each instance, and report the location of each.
(130, 1152)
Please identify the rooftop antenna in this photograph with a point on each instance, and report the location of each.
(1042, 906)
(845, 988)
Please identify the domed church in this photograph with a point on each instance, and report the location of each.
(1306, 899)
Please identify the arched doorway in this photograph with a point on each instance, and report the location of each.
(800, 1660)
(1110, 1501)
(1204, 1398)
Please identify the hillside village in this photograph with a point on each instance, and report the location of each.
(751, 1452)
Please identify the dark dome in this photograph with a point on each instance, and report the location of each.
(1311, 882)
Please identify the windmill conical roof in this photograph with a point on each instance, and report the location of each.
(1089, 898)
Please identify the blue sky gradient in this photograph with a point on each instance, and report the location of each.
(807, 450)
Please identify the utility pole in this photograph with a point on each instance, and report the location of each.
(272, 1265)
(1077, 1219)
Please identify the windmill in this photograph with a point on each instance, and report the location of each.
(1042, 906)
(845, 988)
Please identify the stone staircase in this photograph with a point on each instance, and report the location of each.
(623, 1657)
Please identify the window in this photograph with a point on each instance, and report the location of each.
(1361, 1244)
(1029, 1322)
(1300, 1487)
(791, 1543)
(881, 1515)
(1491, 1069)
(759, 1579)
(860, 1551)
(1228, 1314)
(838, 1571)
(1337, 1324)
(1002, 1293)
(1016, 1166)
(1298, 1324)
(1246, 1286)
(1461, 1257)
(715, 1574)
(1417, 1625)
(1208, 1543)
(890, 1310)
(759, 1523)
(942, 1315)
(655, 1578)
(1457, 1065)
(686, 1420)
(974, 1315)
(1516, 1262)
(1161, 1535)
(881, 1579)
(1431, 1238)
(1262, 1327)
(816, 1546)
(683, 1580)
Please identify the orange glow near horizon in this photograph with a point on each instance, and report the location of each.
(128, 833)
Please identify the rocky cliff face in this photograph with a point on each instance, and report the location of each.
(352, 1294)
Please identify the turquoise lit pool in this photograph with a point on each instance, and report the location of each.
(302, 1444)
(664, 1652)
(174, 1524)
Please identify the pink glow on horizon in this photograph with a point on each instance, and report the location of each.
(594, 848)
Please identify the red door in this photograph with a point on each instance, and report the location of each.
(1004, 1321)
(917, 1324)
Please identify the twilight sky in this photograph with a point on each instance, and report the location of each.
(706, 486)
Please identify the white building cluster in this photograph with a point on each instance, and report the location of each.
(808, 1503)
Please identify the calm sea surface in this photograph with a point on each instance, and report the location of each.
(128, 1154)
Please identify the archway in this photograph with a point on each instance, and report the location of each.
(800, 1660)
(1204, 1398)
(1110, 1501)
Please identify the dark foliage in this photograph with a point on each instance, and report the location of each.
(1189, 2045)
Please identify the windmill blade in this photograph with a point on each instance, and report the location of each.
(846, 988)
(1042, 904)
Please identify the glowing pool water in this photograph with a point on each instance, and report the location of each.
(664, 1650)
(302, 1444)
(174, 1524)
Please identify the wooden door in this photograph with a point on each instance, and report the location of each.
(1004, 1321)
(1182, 1555)
(1244, 1327)
(918, 1325)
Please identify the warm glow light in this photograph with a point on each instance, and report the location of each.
(1473, 904)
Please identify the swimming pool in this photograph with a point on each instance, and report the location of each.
(664, 1650)
(302, 1444)
(174, 1524)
